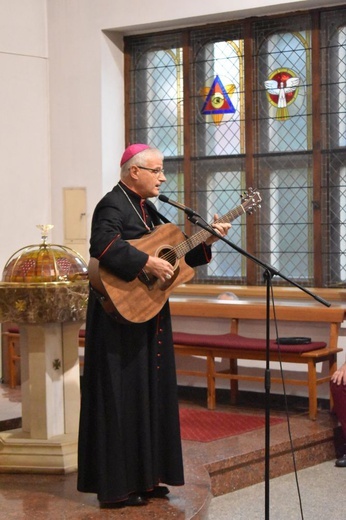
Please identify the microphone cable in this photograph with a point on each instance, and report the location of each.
(286, 405)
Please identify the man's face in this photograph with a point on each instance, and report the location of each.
(149, 176)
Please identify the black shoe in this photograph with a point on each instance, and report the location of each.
(112, 505)
(136, 500)
(341, 463)
(157, 492)
(132, 501)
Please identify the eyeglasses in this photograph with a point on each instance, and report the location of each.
(156, 171)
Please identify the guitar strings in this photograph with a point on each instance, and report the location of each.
(181, 249)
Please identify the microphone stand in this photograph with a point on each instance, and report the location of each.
(268, 274)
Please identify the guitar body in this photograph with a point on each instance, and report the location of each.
(141, 299)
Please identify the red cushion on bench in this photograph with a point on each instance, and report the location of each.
(13, 330)
(234, 341)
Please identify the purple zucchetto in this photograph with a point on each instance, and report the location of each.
(132, 150)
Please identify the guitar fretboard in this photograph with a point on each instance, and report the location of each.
(196, 239)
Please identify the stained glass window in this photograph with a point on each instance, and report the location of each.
(256, 103)
(333, 97)
(219, 90)
(285, 129)
(284, 68)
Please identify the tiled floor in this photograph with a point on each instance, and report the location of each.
(212, 469)
(314, 493)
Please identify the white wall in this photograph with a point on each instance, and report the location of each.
(24, 130)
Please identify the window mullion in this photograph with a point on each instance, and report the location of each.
(187, 127)
(250, 119)
(127, 91)
(316, 147)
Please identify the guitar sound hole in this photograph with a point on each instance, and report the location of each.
(168, 254)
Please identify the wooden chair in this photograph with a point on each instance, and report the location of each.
(10, 341)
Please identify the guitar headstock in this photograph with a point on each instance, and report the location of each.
(251, 200)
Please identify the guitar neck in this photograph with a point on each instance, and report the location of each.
(196, 239)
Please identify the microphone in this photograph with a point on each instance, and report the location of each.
(190, 212)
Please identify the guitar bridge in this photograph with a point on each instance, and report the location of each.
(147, 280)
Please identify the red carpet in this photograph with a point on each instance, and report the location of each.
(206, 425)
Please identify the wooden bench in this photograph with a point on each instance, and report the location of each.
(214, 346)
(10, 341)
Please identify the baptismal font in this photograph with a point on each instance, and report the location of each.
(44, 290)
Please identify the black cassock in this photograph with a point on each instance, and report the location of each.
(129, 434)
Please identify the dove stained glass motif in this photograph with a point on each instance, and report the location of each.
(282, 89)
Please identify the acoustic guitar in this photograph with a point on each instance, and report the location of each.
(141, 299)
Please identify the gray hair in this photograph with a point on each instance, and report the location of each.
(140, 158)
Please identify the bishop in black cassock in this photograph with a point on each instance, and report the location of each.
(129, 436)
